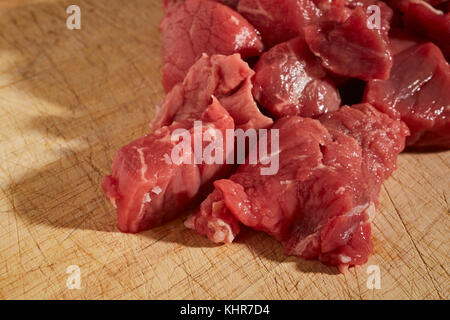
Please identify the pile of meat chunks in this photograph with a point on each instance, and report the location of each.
(290, 65)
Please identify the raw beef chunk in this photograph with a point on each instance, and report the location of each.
(214, 220)
(193, 27)
(148, 188)
(289, 80)
(336, 32)
(351, 49)
(226, 77)
(417, 93)
(434, 24)
(330, 173)
(386, 12)
(276, 20)
(282, 20)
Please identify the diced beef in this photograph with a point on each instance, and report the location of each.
(193, 27)
(148, 188)
(386, 12)
(226, 77)
(331, 161)
(214, 220)
(352, 49)
(289, 80)
(282, 20)
(380, 138)
(145, 186)
(417, 93)
(336, 32)
(330, 173)
(434, 24)
(276, 20)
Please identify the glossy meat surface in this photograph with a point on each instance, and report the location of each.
(419, 96)
(148, 188)
(193, 27)
(326, 189)
(351, 49)
(434, 24)
(143, 165)
(282, 20)
(289, 80)
(226, 77)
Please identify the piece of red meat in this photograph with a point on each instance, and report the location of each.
(148, 188)
(281, 20)
(193, 27)
(386, 12)
(417, 93)
(330, 173)
(276, 20)
(389, 17)
(141, 166)
(214, 220)
(434, 24)
(226, 77)
(351, 49)
(289, 80)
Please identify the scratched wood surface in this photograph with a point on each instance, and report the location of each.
(70, 99)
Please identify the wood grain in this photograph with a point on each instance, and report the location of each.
(70, 98)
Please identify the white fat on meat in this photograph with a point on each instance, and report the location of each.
(222, 231)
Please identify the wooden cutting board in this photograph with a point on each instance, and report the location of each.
(70, 98)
